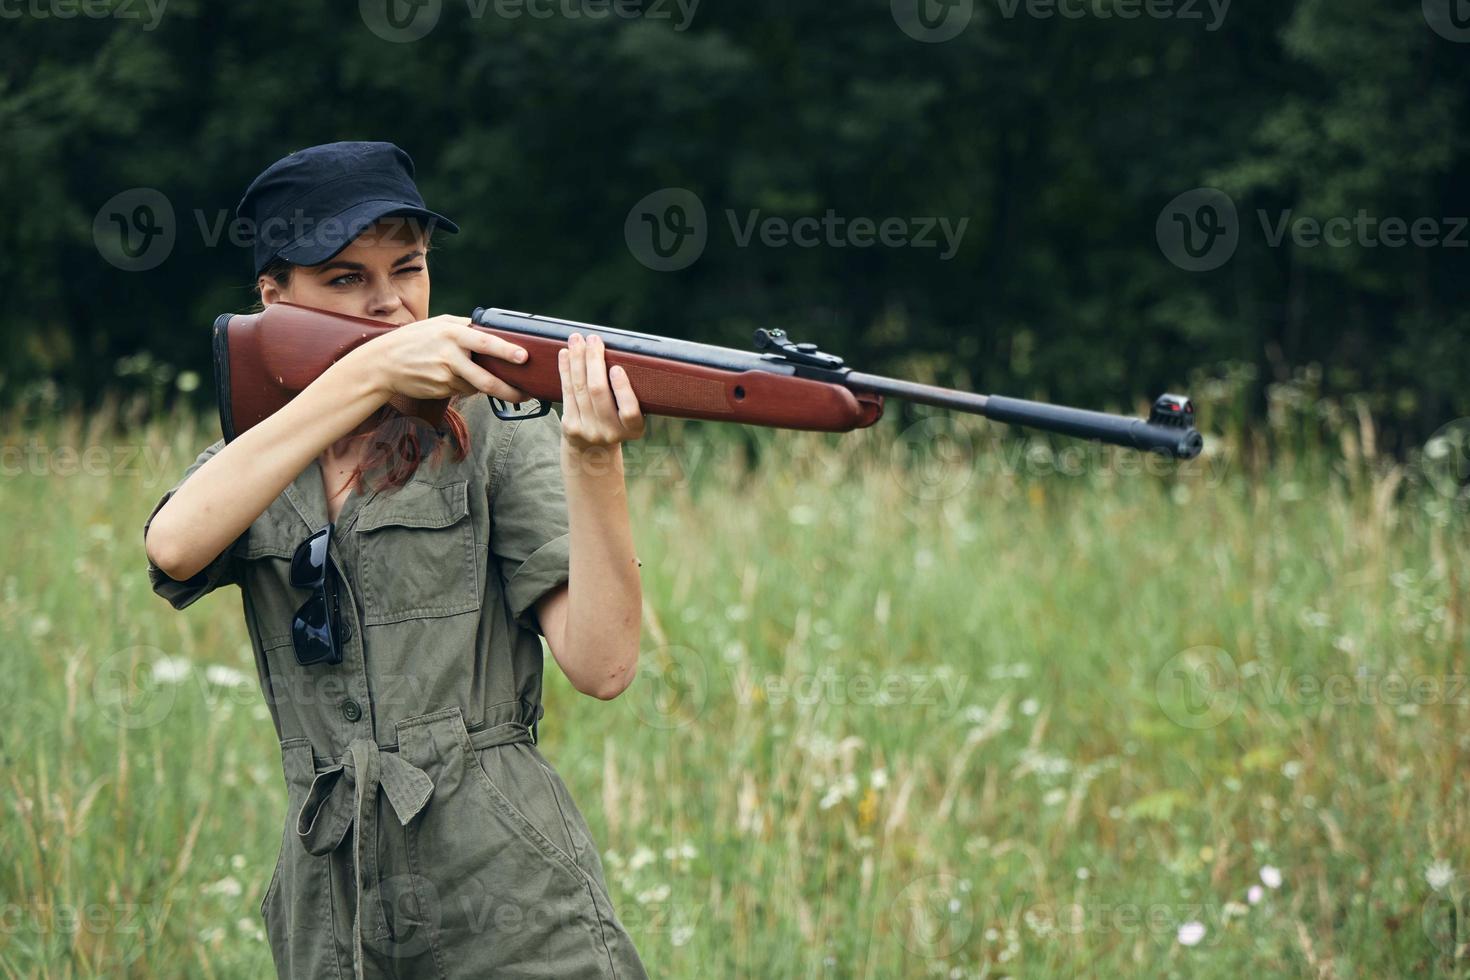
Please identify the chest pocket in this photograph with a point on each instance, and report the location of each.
(417, 554)
(265, 558)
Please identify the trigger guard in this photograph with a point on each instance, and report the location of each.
(506, 411)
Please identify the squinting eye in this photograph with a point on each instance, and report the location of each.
(410, 269)
(342, 280)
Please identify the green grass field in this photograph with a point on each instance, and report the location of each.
(970, 711)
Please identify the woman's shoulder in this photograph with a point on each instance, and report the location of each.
(497, 442)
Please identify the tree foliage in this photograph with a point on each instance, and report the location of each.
(1059, 140)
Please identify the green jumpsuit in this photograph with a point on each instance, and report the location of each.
(426, 836)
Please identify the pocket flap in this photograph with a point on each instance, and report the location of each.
(269, 537)
(417, 504)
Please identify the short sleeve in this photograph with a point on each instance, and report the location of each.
(529, 533)
(223, 570)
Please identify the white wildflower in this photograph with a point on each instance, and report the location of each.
(654, 896)
(641, 858)
(229, 886)
(1271, 876)
(680, 935)
(1029, 707)
(1439, 874)
(225, 676)
(1190, 933)
(170, 670)
(1254, 894)
(844, 788)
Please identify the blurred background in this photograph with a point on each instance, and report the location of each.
(1038, 163)
(933, 699)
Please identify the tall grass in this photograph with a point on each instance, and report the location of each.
(926, 700)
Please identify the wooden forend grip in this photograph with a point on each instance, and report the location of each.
(693, 391)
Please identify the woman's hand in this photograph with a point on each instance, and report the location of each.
(598, 404)
(432, 359)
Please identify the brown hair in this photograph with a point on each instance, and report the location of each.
(395, 441)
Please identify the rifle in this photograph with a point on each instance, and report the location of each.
(262, 360)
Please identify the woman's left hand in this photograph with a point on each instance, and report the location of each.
(598, 404)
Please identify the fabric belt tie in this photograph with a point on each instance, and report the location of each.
(344, 795)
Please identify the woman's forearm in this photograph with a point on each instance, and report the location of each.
(225, 495)
(605, 592)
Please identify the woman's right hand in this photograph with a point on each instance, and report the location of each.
(431, 359)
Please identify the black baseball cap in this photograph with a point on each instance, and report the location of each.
(307, 207)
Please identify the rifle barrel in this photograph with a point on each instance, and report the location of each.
(1180, 442)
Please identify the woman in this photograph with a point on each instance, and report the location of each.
(394, 620)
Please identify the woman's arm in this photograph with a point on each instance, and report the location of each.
(593, 624)
(427, 359)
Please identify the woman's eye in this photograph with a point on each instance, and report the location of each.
(342, 280)
(410, 270)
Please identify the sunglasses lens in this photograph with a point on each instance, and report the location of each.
(309, 564)
(311, 632)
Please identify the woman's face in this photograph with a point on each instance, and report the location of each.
(382, 275)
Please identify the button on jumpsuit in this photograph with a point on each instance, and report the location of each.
(426, 836)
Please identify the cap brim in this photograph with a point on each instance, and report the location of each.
(334, 234)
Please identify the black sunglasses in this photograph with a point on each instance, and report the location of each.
(317, 624)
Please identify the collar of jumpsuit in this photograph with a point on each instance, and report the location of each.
(343, 794)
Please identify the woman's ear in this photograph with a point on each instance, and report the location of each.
(270, 291)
